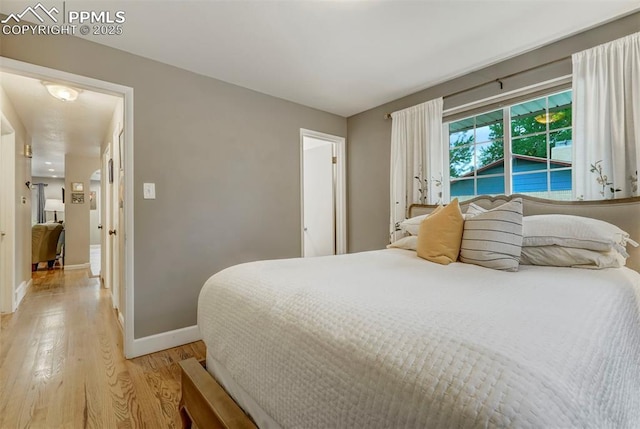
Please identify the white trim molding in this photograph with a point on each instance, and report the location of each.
(21, 291)
(164, 340)
(120, 318)
(84, 266)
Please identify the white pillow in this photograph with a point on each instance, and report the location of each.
(412, 225)
(574, 231)
(493, 239)
(474, 209)
(557, 256)
(408, 243)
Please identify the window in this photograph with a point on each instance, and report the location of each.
(523, 148)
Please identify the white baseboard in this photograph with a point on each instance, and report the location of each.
(164, 340)
(77, 266)
(120, 319)
(21, 291)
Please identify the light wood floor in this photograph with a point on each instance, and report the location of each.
(61, 363)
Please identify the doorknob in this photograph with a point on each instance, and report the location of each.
(112, 232)
(99, 226)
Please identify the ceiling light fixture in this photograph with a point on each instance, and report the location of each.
(61, 92)
(547, 118)
(51, 169)
(47, 162)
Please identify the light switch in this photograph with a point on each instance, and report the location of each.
(149, 191)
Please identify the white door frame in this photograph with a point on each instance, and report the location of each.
(8, 217)
(45, 73)
(340, 191)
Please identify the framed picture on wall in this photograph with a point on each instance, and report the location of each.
(77, 187)
(77, 198)
(110, 168)
(121, 149)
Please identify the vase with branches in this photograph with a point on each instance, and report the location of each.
(603, 180)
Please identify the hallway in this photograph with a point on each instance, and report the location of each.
(61, 362)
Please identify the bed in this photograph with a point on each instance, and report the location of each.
(386, 339)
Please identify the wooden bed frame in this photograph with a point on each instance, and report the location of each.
(206, 403)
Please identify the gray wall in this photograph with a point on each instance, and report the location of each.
(225, 161)
(77, 169)
(369, 134)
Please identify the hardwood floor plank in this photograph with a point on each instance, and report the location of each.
(62, 365)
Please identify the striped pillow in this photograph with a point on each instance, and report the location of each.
(494, 239)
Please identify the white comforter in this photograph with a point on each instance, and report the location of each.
(384, 339)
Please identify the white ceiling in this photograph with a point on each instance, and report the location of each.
(345, 57)
(56, 127)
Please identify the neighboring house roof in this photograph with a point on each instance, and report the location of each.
(522, 157)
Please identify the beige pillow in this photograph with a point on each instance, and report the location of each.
(440, 234)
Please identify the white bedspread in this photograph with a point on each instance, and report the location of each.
(384, 339)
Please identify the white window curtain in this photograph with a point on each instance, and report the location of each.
(416, 160)
(606, 120)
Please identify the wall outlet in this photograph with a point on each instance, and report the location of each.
(149, 191)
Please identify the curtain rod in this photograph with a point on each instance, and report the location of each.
(33, 185)
(498, 80)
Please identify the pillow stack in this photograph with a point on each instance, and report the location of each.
(490, 239)
(502, 238)
(573, 241)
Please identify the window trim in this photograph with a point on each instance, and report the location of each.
(504, 102)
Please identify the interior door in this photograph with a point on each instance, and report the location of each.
(319, 197)
(7, 216)
(114, 230)
(3, 234)
(107, 243)
(120, 236)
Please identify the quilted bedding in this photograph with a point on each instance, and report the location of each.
(384, 339)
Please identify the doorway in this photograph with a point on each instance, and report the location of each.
(323, 194)
(125, 126)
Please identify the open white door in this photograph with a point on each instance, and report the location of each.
(319, 198)
(7, 217)
(108, 248)
(119, 231)
(323, 194)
